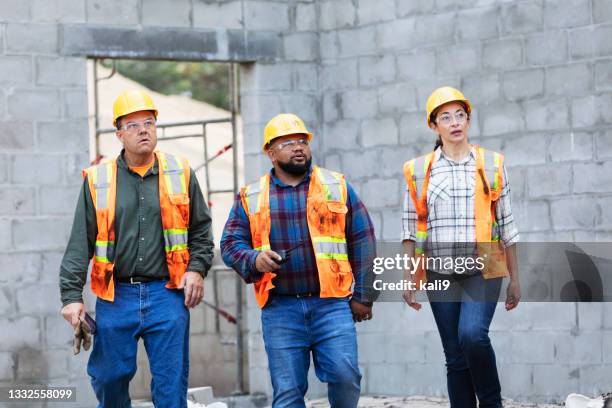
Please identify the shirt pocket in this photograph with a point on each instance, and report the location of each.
(438, 191)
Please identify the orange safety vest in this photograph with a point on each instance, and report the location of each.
(489, 182)
(326, 215)
(174, 175)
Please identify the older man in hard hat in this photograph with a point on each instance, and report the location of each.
(301, 235)
(142, 218)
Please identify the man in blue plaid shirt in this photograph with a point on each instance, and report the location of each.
(298, 313)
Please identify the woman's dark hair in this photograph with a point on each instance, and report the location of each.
(432, 119)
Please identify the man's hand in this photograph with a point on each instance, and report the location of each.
(193, 284)
(73, 312)
(360, 311)
(264, 261)
(513, 294)
(410, 298)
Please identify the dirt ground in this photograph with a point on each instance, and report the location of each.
(416, 402)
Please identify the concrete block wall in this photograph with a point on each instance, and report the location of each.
(537, 72)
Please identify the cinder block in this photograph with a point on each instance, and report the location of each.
(335, 14)
(304, 105)
(40, 299)
(585, 348)
(360, 164)
(459, 59)
(574, 213)
(524, 84)
(13, 335)
(114, 12)
(502, 54)
(72, 136)
(6, 303)
(546, 48)
(37, 169)
(603, 75)
(392, 224)
(266, 77)
(376, 132)
(40, 234)
(301, 46)
(222, 14)
(41, 365)
(567, 13)
(357, 42)
(371, 193)
(340, 134)
(594, 378)
(397, 35)
(590, 42)
(14, 10)
(359, 104)
(526, 351)
(332, 106)
(6, 236)
(477, 23)
(435, 28)
(516, 379)
(569, 80)
(73, 167)
(15, 70)
(16, 135)
(393, 159)
(339, 75)
(499, 119)
(590, 316)
(416, 65)
(607, 346)
(259, 108)
(61, 71)
(525, 150)
(305, 77)
(602, 11)
(521, 17)
(376, 70)
(28, 104)
(31, 38)
(7, 367)
(531, 215)
(306, 17)
(388, 378)
(544, 181)
(265, 15)
(328, 45)
(603, 145)
(413, 128)
(598, 182)
(573, 147)
(375, 11)
(25, 267)
(333, 162)
(58, 200)
(17, 201)
(546, 115)
(165, 13)
(75, 104)
(397, 98)
(61, 11)
(4, 176)
(485, 87)
(58, 332)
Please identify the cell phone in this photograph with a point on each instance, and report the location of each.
(90, 322)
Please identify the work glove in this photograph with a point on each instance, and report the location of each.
(82, 335)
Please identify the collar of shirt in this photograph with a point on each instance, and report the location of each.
(279, 183)
(438, 153)
(121, 163)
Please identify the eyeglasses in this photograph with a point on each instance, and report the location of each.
(446, 119)
(291, 144)
(135, 126)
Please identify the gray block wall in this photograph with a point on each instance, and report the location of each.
(358, 72)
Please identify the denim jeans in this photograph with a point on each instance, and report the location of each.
(158, 316)
(292, 328)
(464, 329)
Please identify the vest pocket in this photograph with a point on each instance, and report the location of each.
(181, 202)
(337, 207)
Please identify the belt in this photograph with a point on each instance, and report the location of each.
(298, 295)
(137, 279)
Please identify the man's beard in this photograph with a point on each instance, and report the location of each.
(296, 169)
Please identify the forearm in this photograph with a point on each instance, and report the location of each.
(511, 262)
(408, 250)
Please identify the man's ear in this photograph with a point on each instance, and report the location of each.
(270, 154)
(119, 136)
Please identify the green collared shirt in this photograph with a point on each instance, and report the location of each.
(139, 235)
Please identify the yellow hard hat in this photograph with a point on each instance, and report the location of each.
(283, 125)
(444, 95)
(132, 101)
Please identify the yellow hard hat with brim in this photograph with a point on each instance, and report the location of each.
(132, 101)
(444, 95)
(283, 125)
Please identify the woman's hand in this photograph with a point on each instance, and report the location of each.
(513, 294)
(410, 298)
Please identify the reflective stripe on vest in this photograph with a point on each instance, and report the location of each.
(330, 248)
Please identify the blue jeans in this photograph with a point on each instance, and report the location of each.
(464, 329)
(292, 328)
(159, 316)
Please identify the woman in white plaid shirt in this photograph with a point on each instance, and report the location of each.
(464, 213)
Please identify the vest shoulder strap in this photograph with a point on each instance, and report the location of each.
(492, 162)
(333, 182)
(415, 171)
(251, 194)
(100, 178)
(175, 170)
